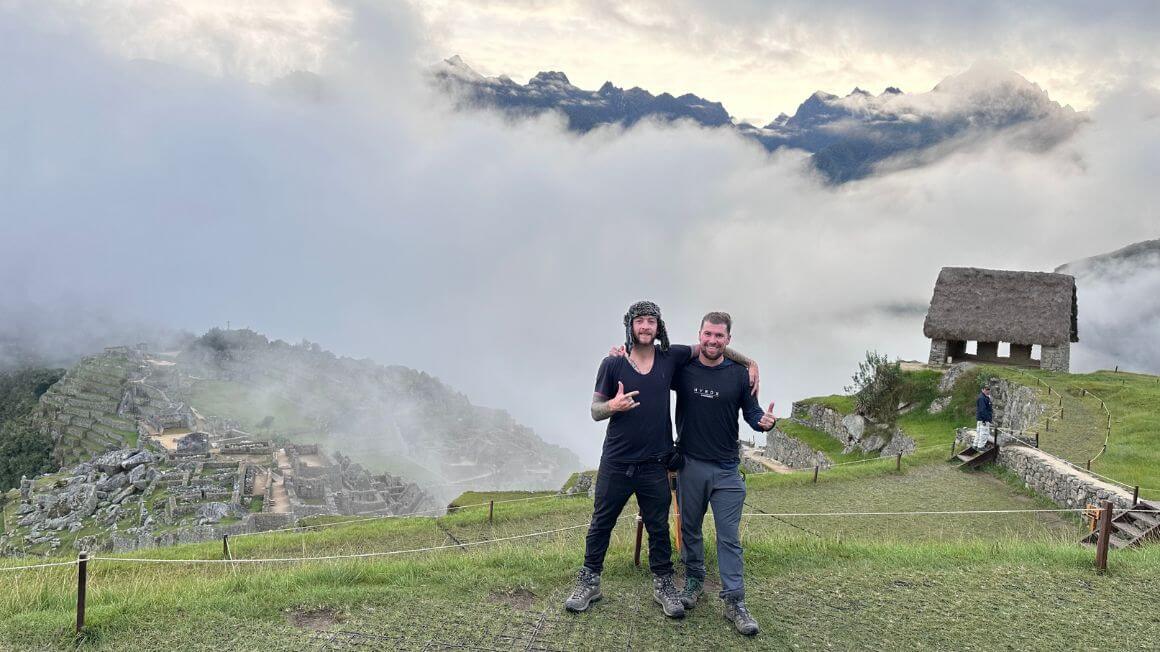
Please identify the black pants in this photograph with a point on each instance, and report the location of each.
(615, 483)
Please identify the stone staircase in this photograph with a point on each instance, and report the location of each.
(972, 457)
(1132, 527)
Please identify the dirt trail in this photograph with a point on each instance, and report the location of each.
(281, 496)
(766, 462)
(260, 482)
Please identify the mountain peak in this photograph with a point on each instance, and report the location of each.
(550, 77)
(455, 65)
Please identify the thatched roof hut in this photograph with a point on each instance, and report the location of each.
(1003, 306)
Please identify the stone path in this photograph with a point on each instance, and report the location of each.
(766, 462)
(281, 496)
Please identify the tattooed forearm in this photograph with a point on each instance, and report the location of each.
(738, 357)
(600, 410)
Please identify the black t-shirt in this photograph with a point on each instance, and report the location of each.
(646, 431)
(708, 399)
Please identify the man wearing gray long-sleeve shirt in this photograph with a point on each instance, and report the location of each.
(711, 391)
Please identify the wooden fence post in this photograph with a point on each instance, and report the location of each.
(816, 467)
(953, 442)
(898, 463)
(1089, 465)
(490, 510)
(1037, 439)
(1136, 496)
(225, 546)
(82, 581)
(639, 535)
(1105, 537)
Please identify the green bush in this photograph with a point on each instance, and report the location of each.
(878, 388)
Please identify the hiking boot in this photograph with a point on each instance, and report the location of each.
(665, 593)
(586, 591)
(694, 587)
(736, 613)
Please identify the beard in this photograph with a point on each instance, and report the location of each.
(710, 355)
(636, 338)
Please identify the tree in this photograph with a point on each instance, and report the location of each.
(878, 389)
(23, 451)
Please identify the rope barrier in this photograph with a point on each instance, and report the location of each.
(20, 568)
(1084, 392)
(528, 535)
(351, 556)
(962, 512)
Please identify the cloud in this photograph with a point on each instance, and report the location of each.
(760, 58)
(356, 210)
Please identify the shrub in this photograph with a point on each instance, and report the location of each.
(878, 388)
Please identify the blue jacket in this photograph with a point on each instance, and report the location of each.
(983, 409)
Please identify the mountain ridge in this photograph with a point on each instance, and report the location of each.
(848, 137)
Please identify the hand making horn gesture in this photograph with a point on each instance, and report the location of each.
(767, 419)
(622, 402)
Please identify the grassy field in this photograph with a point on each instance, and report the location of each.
(846, 582)
(889, 582)
(248, 406)
(1133, 454)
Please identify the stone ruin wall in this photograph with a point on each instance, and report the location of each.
(793, 452)
(853, 431)
(1063, 485)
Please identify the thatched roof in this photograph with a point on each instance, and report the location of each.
(992, 305)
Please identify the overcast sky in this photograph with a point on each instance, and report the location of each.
(760, 58)
(154, 168)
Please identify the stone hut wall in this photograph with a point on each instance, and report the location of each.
(938, 352)
(1056, 358)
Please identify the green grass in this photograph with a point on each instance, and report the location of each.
(130, 437)
(469, 498)
(884, 582)
(839, 402)
(1133, 454)
(820, 441)
(247, 405)
(575, 477)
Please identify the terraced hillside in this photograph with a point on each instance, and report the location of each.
(80, 412)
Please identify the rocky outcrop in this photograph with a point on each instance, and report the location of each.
(1016, 406)
(952, 375)
(855, 432)
(793, 452)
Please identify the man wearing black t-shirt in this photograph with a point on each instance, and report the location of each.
(632, 392)
(711, 390)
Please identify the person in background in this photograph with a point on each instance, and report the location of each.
(984, 415)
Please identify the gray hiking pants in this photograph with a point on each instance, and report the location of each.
(700, 485)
